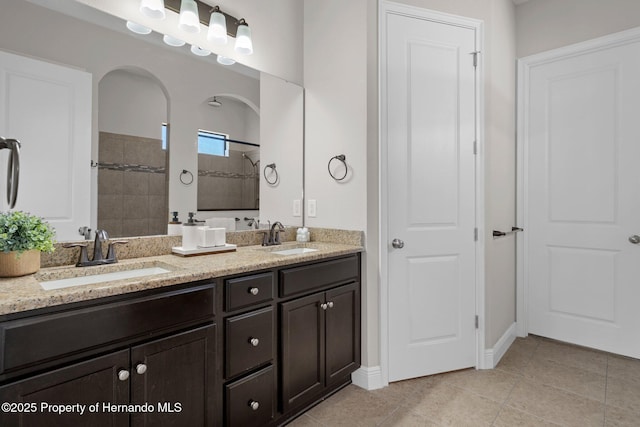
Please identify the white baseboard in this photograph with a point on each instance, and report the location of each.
(493, 355)
(368, 378)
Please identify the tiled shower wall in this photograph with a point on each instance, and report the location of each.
(132, 185)
(227, 183)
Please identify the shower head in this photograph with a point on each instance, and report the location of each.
(215, 103)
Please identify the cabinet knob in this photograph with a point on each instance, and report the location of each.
(330, 304)
(254, 291)
(141, 368)
(123, 375)
(324, 306)
(254, 341)
(254, 404)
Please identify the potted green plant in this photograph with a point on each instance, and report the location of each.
(22, 237)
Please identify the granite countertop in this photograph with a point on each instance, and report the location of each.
(25, 293)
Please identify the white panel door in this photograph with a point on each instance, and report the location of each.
(584, 199)
(47, 108)
(431, 196)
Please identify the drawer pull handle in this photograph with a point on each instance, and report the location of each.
(253, 404)
(123, 375)
(254, 341)
(254, 291)
(323, 306)
(141, 368)
(330, 304)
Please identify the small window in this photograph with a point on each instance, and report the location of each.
(164, 136)
(212, 143)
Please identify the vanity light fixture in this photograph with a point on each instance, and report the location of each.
(225, 60)
(138, 28)
(197, 50)
(189, 17)
(172, 41)
(153, 8)
(244, 44)
(217, 32)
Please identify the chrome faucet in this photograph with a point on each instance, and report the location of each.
(274, 235)
(98, 259)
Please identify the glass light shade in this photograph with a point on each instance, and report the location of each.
(189, 18)
(197, 50)
(225, 60)
(172, 41)
(244, 45)
(137, 28)
(152, 8)
(217, 28)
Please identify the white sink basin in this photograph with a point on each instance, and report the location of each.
(101, 277)
(294, 251)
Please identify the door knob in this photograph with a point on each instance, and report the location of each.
(635, 239)
(397, 243)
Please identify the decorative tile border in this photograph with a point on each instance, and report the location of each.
(131, 168)
(221, 174)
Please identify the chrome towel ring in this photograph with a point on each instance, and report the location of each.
(189, 177)
(272, 181)
(343, 159)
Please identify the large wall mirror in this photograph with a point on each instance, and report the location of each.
(170, 131)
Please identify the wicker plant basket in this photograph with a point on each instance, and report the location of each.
(13, 264)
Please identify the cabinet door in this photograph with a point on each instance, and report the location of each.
(85, 383)
(177, 376)
(342, 332)
(302, 338)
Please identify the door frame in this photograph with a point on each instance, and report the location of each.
(522, 146)
(385, 8)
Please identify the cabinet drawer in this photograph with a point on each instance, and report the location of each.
(52, 336)
(309, 277)
(249, 341)
(251, 401)
(245, 291)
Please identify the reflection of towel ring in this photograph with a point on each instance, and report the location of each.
(343, 159)
(187, 181)
(271, 166)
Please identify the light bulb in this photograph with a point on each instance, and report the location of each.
(225, 60)
(244, 45)
(197, 50)
(172, 41)
(189, 18)
(152, 8)
(137, 28)
(217, 28)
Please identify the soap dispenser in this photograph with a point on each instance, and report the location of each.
(190, 233)
(175, 226)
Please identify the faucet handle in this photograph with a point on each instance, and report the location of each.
(83, 259)
(265, 238)
(111, 252)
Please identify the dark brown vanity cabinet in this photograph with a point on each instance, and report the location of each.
(135, 350)
(320, 333)
(250, 350)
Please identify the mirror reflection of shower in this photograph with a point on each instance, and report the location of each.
(256, 178)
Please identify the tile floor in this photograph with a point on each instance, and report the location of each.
(539, 382)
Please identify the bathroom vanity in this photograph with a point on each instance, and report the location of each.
(248, 338)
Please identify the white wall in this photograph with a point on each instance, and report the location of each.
(281, 135)
(547, 24)
(131, 104)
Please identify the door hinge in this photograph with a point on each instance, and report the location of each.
(477, 322)
(475, 147)
(475, 234)
(475, 58)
